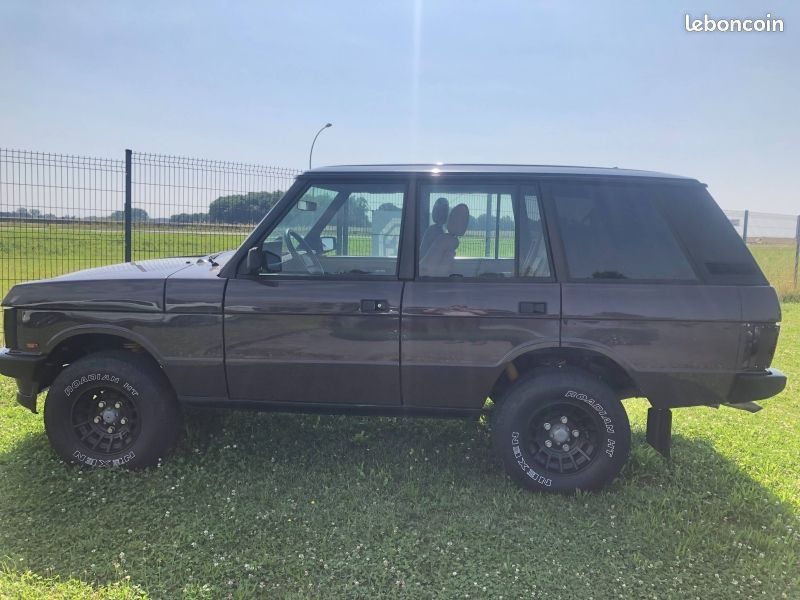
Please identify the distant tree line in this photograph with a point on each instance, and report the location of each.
(24, 213)
(251, 208)
(137, 214)
(242, 208)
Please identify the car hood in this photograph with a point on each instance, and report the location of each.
(136, 286)
(146, 269)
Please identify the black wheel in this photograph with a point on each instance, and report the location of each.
(114, 409)
(561, 430)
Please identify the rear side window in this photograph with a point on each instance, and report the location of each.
(717, 250)
(613, 231)
(467, 231)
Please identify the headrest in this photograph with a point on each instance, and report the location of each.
(441, 208)
(458, 221)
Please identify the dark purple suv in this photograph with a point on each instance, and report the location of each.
(554, 292)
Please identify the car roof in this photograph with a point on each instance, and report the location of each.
(494, 169)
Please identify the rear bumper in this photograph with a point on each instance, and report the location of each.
(27, 370)
(760, 385)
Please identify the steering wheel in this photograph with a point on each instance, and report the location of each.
(309, 259)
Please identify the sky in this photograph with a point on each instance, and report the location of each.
(583, 83)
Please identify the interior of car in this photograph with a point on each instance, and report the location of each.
(354, 229)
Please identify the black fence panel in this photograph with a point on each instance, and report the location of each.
(58, 213)
(190, 206)
(61, 213)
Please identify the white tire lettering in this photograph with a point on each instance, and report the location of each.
(93, 377)
(102, 462)
(598, 408)
(540, 479)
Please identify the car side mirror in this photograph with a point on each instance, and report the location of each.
(254, 261)
(307, 206)
(328, 243)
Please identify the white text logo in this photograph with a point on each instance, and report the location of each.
(727, 25)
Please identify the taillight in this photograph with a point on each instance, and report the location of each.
(10, 328)
(761, 339)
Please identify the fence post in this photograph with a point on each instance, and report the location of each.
(128, 207)
(488, 227)
(744, 227)
(796, 250)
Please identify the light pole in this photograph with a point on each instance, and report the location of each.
(311, 152)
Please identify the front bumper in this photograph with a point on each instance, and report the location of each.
(27, 369)
(759, 385)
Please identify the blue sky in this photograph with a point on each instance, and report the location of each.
(600, 83)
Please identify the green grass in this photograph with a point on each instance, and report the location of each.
(56, 249)
(777, 262)
(291, 506)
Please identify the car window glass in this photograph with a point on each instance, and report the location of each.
(614, 232)
(338, 230)
(709, 236)
(467, 231)
(533, 256)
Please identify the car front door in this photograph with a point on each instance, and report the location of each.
(319, 322)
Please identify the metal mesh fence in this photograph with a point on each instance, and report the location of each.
(61, 213)
(774, 240)
(58, 213)
(190, 206)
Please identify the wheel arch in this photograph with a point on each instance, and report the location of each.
(70, 345)
(614, 372)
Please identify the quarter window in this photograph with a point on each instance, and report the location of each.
(709, 237)
(614, 232)
(533, 257)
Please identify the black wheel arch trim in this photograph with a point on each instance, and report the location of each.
(545, 346)
(110, 330)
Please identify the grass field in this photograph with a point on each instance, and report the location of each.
(290, 506)
(777, 262)
(55, 249)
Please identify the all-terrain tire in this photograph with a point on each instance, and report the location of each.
(112, 409)
(561, 430)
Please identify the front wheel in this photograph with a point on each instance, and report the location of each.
(114, 409)
(561, 430)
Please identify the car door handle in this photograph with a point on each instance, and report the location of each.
(533, 308)
(374, 306)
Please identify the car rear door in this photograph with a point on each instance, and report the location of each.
(484, 290)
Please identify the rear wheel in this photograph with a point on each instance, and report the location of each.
(114, 409)
(561, 430)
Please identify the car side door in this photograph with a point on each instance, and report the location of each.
(318, 321)
(484, 291)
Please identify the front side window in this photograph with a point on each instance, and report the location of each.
(338, 230)
(614, 232)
